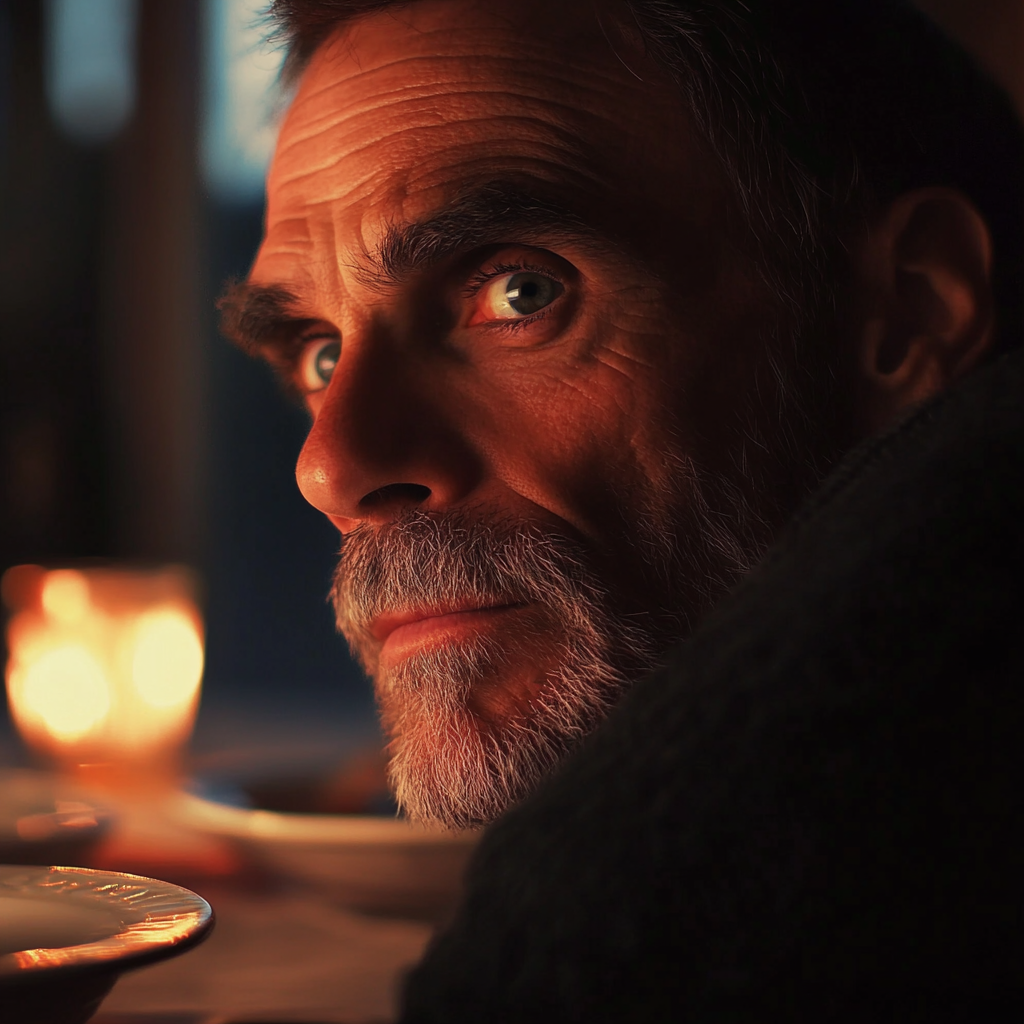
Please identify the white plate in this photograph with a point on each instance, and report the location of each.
(67, 933)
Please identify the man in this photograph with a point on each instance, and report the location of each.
(585, 301)
(582, 311)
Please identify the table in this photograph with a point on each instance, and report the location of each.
(279, 952)
(275, 957)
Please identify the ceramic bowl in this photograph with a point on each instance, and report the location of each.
(66, 934)
(371, 863)
(46, 820)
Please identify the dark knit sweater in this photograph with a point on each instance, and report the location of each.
(811, 812)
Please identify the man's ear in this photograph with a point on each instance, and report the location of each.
(926, 264)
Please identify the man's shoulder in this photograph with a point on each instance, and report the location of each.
(816, 798)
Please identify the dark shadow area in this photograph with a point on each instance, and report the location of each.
(269, 555)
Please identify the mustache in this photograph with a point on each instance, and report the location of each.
(450, 559)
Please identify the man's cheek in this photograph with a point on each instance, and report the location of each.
(583, 428)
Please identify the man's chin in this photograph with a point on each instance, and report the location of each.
(461, 772)
(451, 712)
(475, 726)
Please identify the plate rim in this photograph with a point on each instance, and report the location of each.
(176, 931)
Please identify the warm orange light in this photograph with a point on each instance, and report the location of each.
(105, 664)
(168, 660)
(65, 595)
(63, 691)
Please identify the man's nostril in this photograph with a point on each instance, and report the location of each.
(395, 494)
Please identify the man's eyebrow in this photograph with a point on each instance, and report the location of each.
(266, 320)
(492, 214)
(259, 318)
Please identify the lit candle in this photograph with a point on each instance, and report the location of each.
(105, 664)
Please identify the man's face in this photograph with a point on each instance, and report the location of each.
(545, 380)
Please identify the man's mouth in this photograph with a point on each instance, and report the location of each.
(405, 633)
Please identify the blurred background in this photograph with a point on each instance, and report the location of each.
(134, 136)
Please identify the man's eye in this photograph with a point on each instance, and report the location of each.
(317, 363)
(513, 296)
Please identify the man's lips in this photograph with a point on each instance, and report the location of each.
(400, 632)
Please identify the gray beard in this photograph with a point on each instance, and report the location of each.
(448, 765)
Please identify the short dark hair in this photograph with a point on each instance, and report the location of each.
(819, 111)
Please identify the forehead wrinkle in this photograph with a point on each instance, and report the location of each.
(296, 230)
(429, 69)
(364, 119)
(403, 118)
(326, 271)
(359, 249)
(444, 71)
(558, 147)
(313, 274)
(350, 114)
(377, 124)
(558, 139)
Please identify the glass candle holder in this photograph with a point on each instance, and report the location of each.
(105, 663)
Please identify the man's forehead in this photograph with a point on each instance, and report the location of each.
(489, 40)
(401, 102)
(401, 111)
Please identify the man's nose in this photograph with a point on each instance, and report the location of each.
(384, 441)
